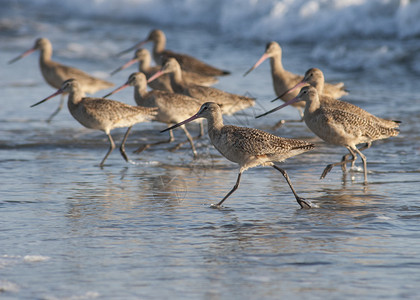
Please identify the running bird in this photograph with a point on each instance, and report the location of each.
(172, 107)
(248, 147)
(102, 114)
(315, 78)
(341, 125)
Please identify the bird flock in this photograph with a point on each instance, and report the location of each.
(180, 92)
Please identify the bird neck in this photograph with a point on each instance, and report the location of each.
(144, 64)
(75, 97)
(177, 81)
(215, 124)
(276, 64)
(312, 105)
(319, 85)
(140, 91)
(160, 45)
(46, 54)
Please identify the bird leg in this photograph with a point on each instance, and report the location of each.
(300, 201)
(60, 106)
(346, 158)
(235, 187)
(201, 130)
(343, 161)
(111, 147)
(122, 147)
(366, 146)
(190, 139)
(147, 146)
(363, 157)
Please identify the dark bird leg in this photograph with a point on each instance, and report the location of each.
(300, 201)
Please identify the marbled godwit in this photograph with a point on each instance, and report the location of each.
(55, 73)
(341, 125)
(164, 83)
(248, 147)
(284, 80)
(102, 114)
(187, 62)
(230, 103)
(315, 78)
(172, 107)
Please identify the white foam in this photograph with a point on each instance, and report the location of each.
(285, 20)
(35, 258)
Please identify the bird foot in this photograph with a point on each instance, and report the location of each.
(303, 203)
(215, 206)
(326, 171)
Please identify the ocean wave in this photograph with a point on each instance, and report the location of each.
(283, 20)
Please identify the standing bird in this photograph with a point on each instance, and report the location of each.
(102, 114)
(55, 73)
(187, 62)
(172, 107)
(230, 103)
(315, 78)
(284, 80)
(248, 147)
(341, 125)
(163, 83)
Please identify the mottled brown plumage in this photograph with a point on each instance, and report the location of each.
(55, 73)
(143, 57)
(187, 62)
(172, 107)
(284, 80)
(230, 103)
(102, 114)
(342, 124)
(248, 147)
(315, 78)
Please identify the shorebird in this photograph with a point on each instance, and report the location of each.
(341, 124)
(248, 147)
(172, 107)
(102, 114)
(187, 62)
(230, 103)
(315, 78)
(284, 80)
(143, 57)
(55, 73)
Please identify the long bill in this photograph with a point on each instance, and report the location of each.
(60, 91)
(196, 116)
(136, 46)
(156, 75)
(26, 53)
(125, 85)
(259, 62)
(126, 65)
(300, 84)
(294, 100)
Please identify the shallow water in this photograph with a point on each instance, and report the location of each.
(71, 230)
